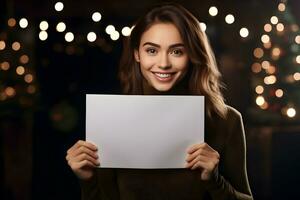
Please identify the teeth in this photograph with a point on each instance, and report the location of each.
(163, 75)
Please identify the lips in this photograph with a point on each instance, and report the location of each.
(164, 77)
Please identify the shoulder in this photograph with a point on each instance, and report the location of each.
(232, 114)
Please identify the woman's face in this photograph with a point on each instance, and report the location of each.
(162, 56)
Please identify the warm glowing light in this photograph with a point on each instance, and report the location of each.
(16, 46)
(258, 52)
(229, 19)
(269, 80)
(23, 23)
(203, 26)
(213, 11)
(267, 45)
(264, 106)
(244, 32)
(10, 91)
(265, 64)
(61, 27)
(5, 66)
(20, 70)
(268, 27)
(11, 22)
(28, 78)
(256, 67)
(110, 29)
(91, 37)
(59, 6)
(291, 112)
(96, 16)
(274, 20)
(297, 39)
(24, 59)
(43, 35)
(294, 27)
(280, 27)
(276, 51)
(271, 69)
(259, 89)
(260, 100)
(296, 76)
(115, 35)
(69, 37)
(281, 7)
(44, 25)
(279, 93)
(298, 59)
(2, 45)
(265, 38)
(126, 31)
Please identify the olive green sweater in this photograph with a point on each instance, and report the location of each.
(229, 182)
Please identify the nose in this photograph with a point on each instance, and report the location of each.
(164, 63)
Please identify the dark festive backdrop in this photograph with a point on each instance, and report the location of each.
(53, 53)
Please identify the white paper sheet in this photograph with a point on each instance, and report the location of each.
(142, 131)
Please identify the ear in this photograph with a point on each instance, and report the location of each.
(136, 55)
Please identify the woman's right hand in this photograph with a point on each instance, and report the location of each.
(83, 159)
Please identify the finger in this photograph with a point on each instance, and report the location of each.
(84, 163)
(200, 151)
(198, 158)
(203, 165)
(82, 149)
(194, 147)
(85, 156)
(80, 143)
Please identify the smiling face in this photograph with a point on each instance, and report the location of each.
(162, 56)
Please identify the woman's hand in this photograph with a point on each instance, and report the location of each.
(204, 157)
(82, 158)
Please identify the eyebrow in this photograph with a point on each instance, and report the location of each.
(157, 45)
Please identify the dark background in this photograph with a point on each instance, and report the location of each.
(34, 138)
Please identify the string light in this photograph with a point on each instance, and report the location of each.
(28, 78)
(2, 45)
(259, 89)
(244, 32)
(115, 35)
(10, 91)
(11, 22)
(268, 27)
(281, 7)
(291, 112)
(23, 23)
(91, 37)
(260, 100)
(5, 66)
(297, 39)
(126, 31)
(269, 80)
(229, 19)
(280, 27)
(69, 37)
(59, 6)
(298, 59)
(296, 76)
(44, 25)
(274, 20)
(265, 64)
(43, 35)
(24, 59)
(202, 26)
(256, 67)
(258, 52)
(16, 46)
(96, 16)
(60, 27)
(213, 11)
(265, 38)
(110, 29)
(279, 93)
(20, 70)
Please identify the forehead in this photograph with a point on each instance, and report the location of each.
(163, 34)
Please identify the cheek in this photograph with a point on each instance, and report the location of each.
(182, 64)
(146, 63)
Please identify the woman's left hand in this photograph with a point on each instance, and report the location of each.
(202, 156)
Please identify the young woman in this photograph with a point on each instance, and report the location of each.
(168, 53)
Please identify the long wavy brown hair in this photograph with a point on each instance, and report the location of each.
(203, 76)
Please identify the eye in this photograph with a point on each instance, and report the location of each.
(151, 51)
(177, 52)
